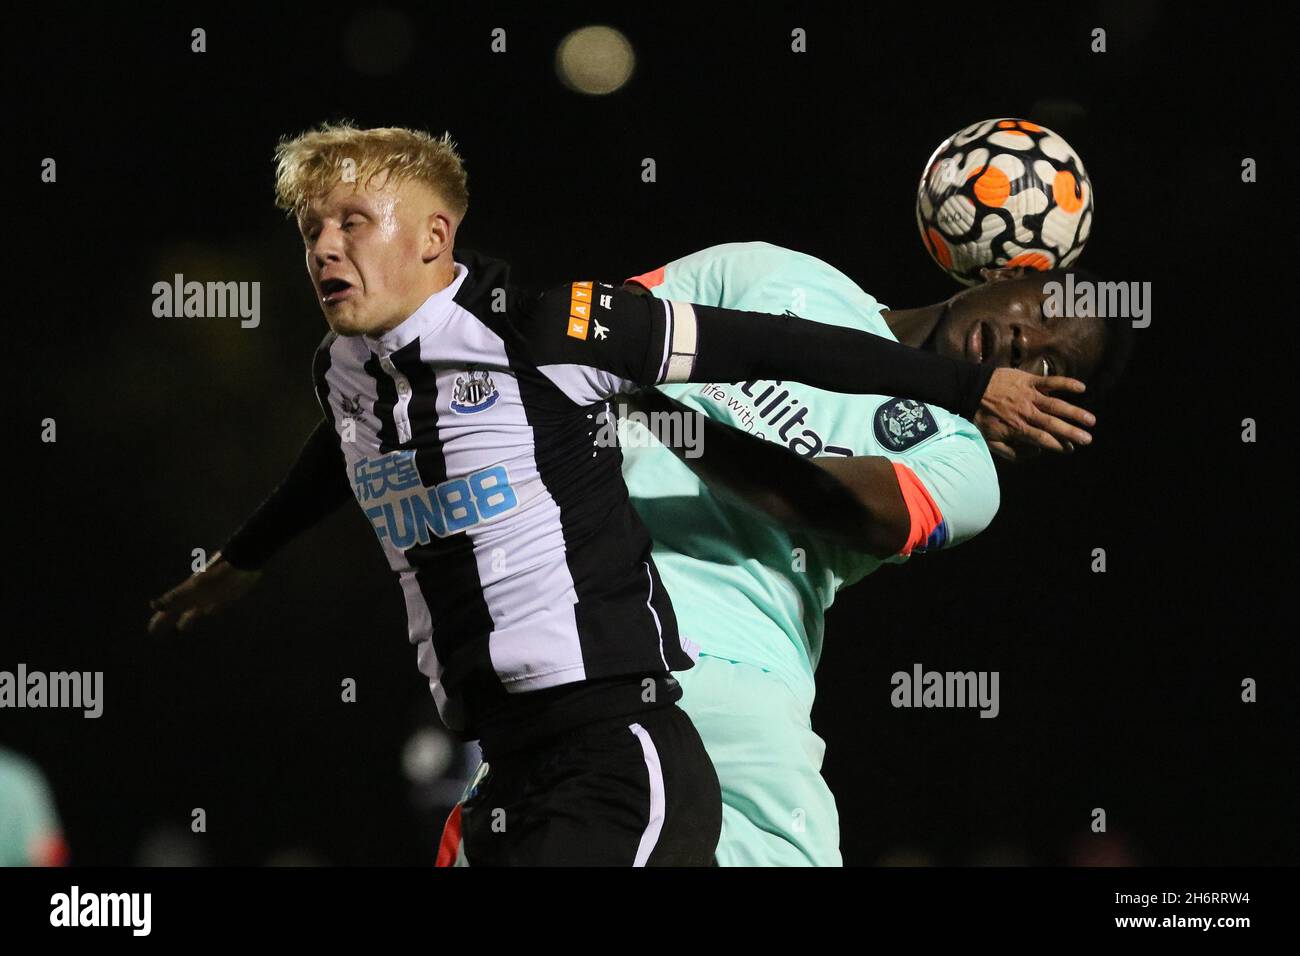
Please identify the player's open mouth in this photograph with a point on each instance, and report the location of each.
(334, 290)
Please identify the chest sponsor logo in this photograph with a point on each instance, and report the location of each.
(473, 392)
(767, 410)
(405, 512)
(902, 423)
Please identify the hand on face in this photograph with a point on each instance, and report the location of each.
(1018, 417)
(1003, 323)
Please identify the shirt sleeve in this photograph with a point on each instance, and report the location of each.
(951, 491)
(315, 486)
(593, 340)
(950, 487)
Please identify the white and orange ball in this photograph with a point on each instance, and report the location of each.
(1003, 192)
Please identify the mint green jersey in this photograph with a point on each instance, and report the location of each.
(746, 589)
(29, 826)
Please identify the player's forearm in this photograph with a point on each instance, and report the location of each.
(800, 494)
(648, 341)
(315, 485)
(736, 346)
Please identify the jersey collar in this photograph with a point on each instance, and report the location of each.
(431, 314)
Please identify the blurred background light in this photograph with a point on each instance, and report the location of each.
(595, 60)
(427, 755)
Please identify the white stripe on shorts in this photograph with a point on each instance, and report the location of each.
(657, 803)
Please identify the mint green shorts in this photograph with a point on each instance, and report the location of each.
(776, 808)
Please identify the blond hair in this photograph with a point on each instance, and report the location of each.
(311, 164)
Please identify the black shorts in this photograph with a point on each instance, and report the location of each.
(630, 791)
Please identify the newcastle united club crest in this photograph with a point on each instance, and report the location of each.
(473, 392)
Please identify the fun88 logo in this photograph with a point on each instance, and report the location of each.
(403, 511)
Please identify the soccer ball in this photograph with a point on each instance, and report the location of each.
(1003, 192)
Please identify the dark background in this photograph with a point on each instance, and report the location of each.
(1119, 690)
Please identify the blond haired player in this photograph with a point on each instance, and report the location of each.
(458, 412)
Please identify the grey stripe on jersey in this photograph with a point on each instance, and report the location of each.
(584, 385)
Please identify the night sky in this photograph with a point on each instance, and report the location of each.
(1119, 690)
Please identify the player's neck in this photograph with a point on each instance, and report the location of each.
(441, 273)
(914, 327)
(441, 276)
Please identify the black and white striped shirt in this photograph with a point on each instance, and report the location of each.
(518, 550)
(469, 439)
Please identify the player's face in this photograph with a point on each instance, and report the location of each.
(364, 254)
(1002, 323)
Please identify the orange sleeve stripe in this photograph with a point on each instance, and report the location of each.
(925, 514)
(649, 279)
(48, 850)
(449, 845)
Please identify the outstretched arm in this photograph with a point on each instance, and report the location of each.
(641, 340)
(315, 485)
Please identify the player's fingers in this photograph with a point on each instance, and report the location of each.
(177, 595)
(1022, 451)
(1042, 439)
(159, 623)
(1061, 383)
(188, 619)
(1063, 409)
(1061, 429)
(1002, 450)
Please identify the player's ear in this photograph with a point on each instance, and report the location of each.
(438, 231)
(1001, 273)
